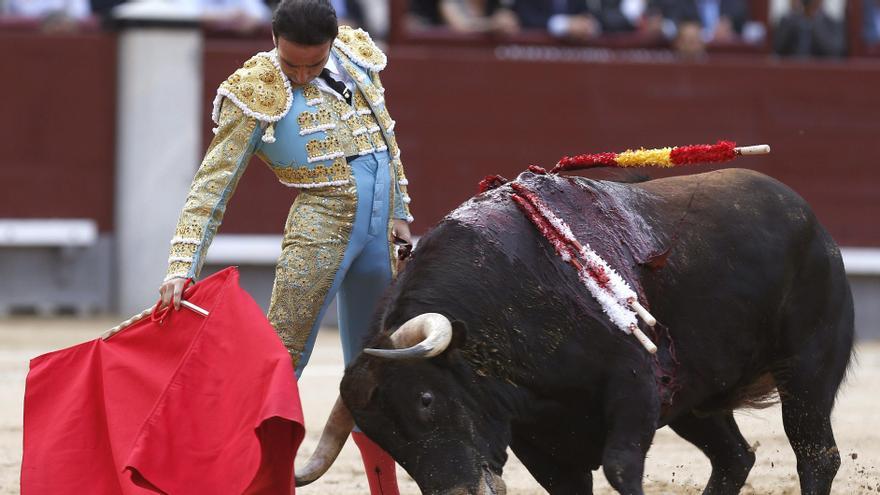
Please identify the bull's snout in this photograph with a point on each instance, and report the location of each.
(491, 483)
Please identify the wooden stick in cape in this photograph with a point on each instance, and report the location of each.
(143, 314)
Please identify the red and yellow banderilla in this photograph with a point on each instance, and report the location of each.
(721, 151)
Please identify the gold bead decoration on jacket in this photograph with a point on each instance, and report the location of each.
(267, 76)
(259, 89)
(311, 92)
(265, 98)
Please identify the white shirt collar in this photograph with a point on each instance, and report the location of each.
(333, 68)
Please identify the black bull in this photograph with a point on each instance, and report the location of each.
(749, 291)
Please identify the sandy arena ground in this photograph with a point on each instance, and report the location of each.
(673, 466)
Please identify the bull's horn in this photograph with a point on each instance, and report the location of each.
(424, 336)
(336, 431)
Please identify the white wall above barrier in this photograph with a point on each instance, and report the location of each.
(48, 232)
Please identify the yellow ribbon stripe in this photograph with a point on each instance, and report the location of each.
(645, 158)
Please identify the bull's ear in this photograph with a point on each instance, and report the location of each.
(358, 386)
(459, 335)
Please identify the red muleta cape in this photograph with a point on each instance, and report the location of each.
(195, 405)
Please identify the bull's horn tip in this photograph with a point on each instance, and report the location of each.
(303, 481)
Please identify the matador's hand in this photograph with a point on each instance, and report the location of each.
(400, 229)
(171, 291)
(402, 239)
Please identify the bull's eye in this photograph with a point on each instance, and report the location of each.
(427, 398)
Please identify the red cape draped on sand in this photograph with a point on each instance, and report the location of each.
(196, 405)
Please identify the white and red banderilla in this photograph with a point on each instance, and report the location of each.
(617, 298)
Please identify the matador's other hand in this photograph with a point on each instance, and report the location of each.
(400, 230)
(402, 242)
(171, 291)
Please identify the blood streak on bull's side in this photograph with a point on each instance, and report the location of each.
(608, 288)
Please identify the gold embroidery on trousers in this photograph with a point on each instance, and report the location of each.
(315, 239)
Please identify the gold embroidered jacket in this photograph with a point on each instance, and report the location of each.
(317, 130)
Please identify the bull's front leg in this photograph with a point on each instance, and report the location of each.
(631, 411)
(556, 473)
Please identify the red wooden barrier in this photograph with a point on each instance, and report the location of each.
(465, 112)
(58, 125)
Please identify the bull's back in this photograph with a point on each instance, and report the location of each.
(739, 222)
(745, 254)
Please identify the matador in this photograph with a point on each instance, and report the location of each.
(313, 109)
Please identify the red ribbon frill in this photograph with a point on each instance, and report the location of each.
(585, 161)
(721, 151)
(491, 182)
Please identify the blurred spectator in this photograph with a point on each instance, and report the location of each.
(56, 15)
(625, 15)
(642, 16)
(463, 16)
(374, 16)
(357, 13)
(871, 16)
(348, 12)
(244, 15)
(345, 9)
(692, 24)
(240, 15)
(577, 20)
(423, 14)
(570, 19)
(567, 19)
(38, 9)
(457, 15)
(466, 15)
(808, 28)
(104, 8)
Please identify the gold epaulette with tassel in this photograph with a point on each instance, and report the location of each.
(260, 90)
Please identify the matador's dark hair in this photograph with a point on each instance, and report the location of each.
(305, 22)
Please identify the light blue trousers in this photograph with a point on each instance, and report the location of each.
(365, 270)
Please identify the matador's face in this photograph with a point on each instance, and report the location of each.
(302, 63)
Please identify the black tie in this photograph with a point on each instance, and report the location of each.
(336, 85)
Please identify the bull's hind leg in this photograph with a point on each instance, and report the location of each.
(808, 386)
(806, 416)
(807, 397)
(718, 436)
